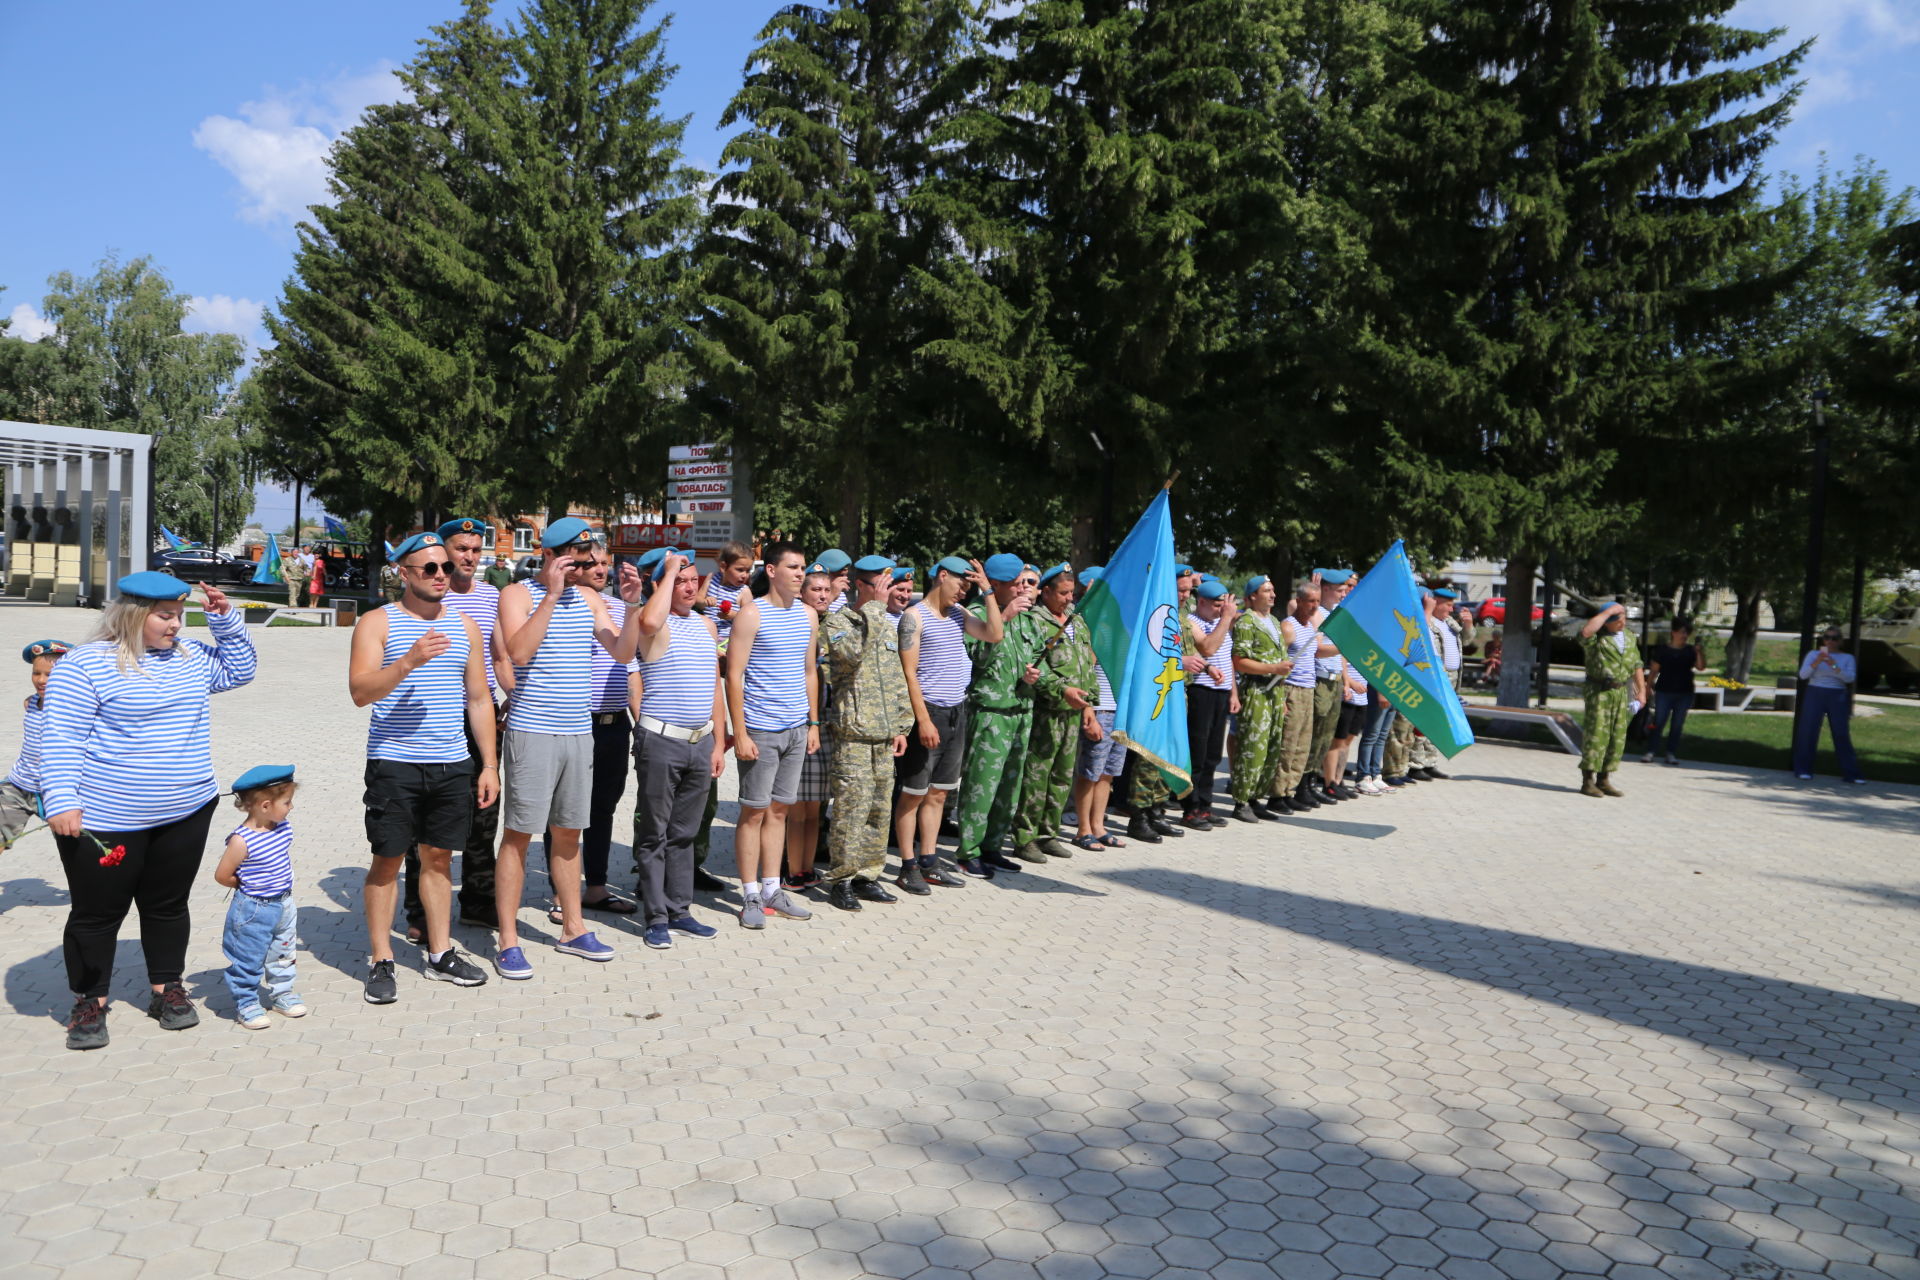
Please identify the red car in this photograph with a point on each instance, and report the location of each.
(1494, 610)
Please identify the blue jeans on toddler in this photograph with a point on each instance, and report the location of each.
(258, 940)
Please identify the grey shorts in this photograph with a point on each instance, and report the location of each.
(922, 770)
(18, 811)
(549, 780)
(775, 777)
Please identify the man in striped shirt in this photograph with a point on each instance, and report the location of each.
(419, 665)
(773, 696)
(1212, 695)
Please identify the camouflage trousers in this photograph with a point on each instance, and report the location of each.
(1147, 787)
(1047, 781)
(860, 779)
(1605, 728)
(1397, 759)
(1296, 737)
(990, 784)
(1326, 716)
(1262, 715)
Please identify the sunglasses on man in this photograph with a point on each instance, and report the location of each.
(433, 568)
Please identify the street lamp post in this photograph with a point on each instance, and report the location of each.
(1816, 533)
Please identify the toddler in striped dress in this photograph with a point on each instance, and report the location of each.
(20, 793)
(257, 865)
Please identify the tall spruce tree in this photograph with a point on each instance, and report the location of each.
(817, 247)
(1562, 178)
(488, 314)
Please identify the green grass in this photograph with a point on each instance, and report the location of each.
(1888, 745)
(197, 619)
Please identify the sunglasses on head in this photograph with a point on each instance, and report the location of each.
(434, 568)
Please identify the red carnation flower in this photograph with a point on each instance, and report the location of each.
(114, 856)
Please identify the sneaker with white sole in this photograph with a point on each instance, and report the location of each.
(512, 965)
(785, 904)
(455, 968)
(659, 937)
(753, 915)
(587, 947)
(381, 988)
(290, 1007)
(692, 928)
(254, 1019)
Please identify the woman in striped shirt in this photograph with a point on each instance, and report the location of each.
(127, 757)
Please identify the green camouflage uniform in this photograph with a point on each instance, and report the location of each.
(1605, 722)
(1262, 710)
(1001, 718)
(1149, 785)
(870, 709)
(1054, 744)
(1399, 754)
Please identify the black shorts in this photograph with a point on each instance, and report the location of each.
(921, 769)
(409, 804)
(1353, 718)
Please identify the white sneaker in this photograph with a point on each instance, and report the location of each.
(1366, 787)
(1647, 758)
(254, 1020)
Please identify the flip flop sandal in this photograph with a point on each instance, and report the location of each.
(1112, 842)
(1086, 842)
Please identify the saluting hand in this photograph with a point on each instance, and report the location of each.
(429, 646)
(978, 576)
(629, 583)
(553, 574)
(217, 603)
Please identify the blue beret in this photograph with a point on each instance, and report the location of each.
(1208, 577)
(1182, 570)
(1446, 593)
(418, 542)
(654, 562)
(1254, 583)
(465, 524)
(833, 560)
(1090, 576)
(263, 775)
(1050, 574)
(44, 649)
(150, 584)
(1211, 589)
(866, 564)
(1004, 567)
(565, 532)
(901, 572)
(1033, 568)
(956, 566)
(1334, 576)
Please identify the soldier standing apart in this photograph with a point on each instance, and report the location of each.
(773, 694)
(479, 602)
(419, 665)
(677, 750)
(933, 636)
(1260, 660)
(871, 714)
(1300, 632)
(548, 627)
(1062, 713)
(1211, 698)
(1615, 689)
(1000, 706)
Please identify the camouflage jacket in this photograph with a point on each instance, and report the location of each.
(1066, 661)
(1609, 665)
(862, 650)
(997, 668)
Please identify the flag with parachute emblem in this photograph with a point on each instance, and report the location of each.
(1381, 628)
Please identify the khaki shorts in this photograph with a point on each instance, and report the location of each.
(18, 811)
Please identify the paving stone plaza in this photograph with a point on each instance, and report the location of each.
(1485, 1028)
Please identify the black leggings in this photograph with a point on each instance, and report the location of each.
(157, 876)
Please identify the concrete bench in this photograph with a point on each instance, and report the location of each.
(1562, 726)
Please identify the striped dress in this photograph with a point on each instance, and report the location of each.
(1219, 670)
(482, 604)
(944, 669)
(609, 677)
(554, 692)
(678, 687)
(26, 770)
(423, 721)
(267, 871)
(775, 681)
(132, 749)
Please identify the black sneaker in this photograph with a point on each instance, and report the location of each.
(912, 881)
(172, 1009)
(1000, 862)
(976, 867)
(934, 873)
(707, 882)
(450, 967)
(87, 1025)
(381, 988)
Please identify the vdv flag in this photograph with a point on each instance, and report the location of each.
(1134, 613)
(335, 529)
(271, 568)
(174, 541)
(1382, 629)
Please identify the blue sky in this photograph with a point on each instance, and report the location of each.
(195, 133)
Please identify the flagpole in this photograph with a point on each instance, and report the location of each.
(1168, 486)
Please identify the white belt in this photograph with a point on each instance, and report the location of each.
(674, 731)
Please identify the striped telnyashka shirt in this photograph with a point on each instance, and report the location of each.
(1306, 639)
(268, 869)
(775, 681)
(26, 770)
(131, 749)
(482, 604)
(554, 692)
(1219, 669)
(678, 687)
(423, 720)
(734, 597)
(944, 669)
(610, 677)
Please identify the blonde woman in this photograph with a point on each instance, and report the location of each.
(129, 791)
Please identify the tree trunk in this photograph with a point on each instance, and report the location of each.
(1746, 633)
(1083, 533)
(1516, 635)
(852, 499)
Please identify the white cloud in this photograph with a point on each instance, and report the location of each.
(1838, 22)
(278, 146)
(27, 324)
(221, 314)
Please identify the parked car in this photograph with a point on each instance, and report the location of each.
(197, 564)
(525, 567)
(1493, 611)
